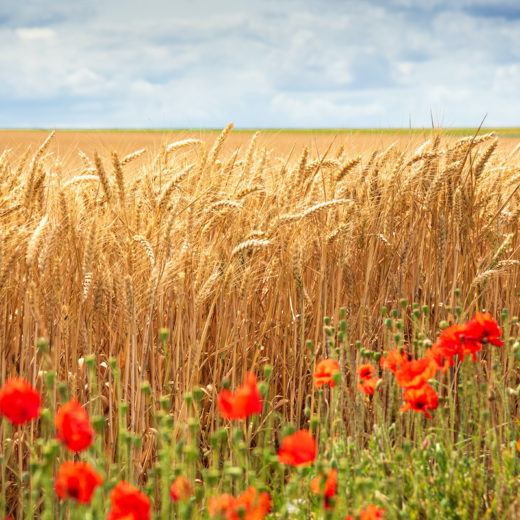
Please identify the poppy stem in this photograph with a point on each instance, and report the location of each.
(6, 433)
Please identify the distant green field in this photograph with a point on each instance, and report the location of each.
(513, 132)
(501, 132)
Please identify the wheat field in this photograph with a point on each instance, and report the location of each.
(240, 250)
(142, 273)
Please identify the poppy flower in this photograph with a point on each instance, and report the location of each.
(449, 342)
(73, 425)
(298, 449)
(326, 488)
(324, 373)
(434, 354)
(251, 505)
(181, 489)
(19, 401)
(77, 480)
(482, 327)
(369, 386)
(366, 371)
(417, 373)
(421, 400)
(128, 503)
(245, 401)
(393, 359)
(372, 512)
(458, 340)
(221, 506)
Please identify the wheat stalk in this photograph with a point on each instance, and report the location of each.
(147, 248)
(250, 244)
(103, 177)
(127, 159)
(35, 240)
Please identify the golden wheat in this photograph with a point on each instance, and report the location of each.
(230, 250)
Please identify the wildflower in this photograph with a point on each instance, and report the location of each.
(19, 401)
(457, 340)
(482, 327)
(77, 480)
(449, 343)
(421, 399)
(221, 506)
(435, 356)
(73, 425)
(324, 372)
(466, 339)
(518, 445)
(415, 374)
(369, 386)
(366, 372)
(245, 401)
(393, 360)
(251, 505)
(128, 503)
(372, 512)
(327, 488)
(181, 489)
(298, 449)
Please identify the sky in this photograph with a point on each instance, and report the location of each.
(260, 64)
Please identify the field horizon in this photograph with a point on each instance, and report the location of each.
(457, 131)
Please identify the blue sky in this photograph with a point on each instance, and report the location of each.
(267, 63)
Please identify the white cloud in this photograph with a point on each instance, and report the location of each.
(269, 63)
(318, 112)
(35, 33)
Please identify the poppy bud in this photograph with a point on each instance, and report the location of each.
(198, 394)
(163, 334)
(42, 344)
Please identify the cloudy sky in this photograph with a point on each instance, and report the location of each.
(262, 63)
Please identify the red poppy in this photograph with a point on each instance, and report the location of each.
(449, 343)
(298, 449)
(242, 403)
(366, 372)
(482, 327)
(251, 505)
(420, 400)
(415, 374)
(457, 340)
(372, 512)
(393, 359)
(128, 503)
(19, 401)
(326, 488)
(77, 480)
(221, 506)
(181, 489)
(324, 373)
(369, 386)
(73, 425)
(434, 354)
